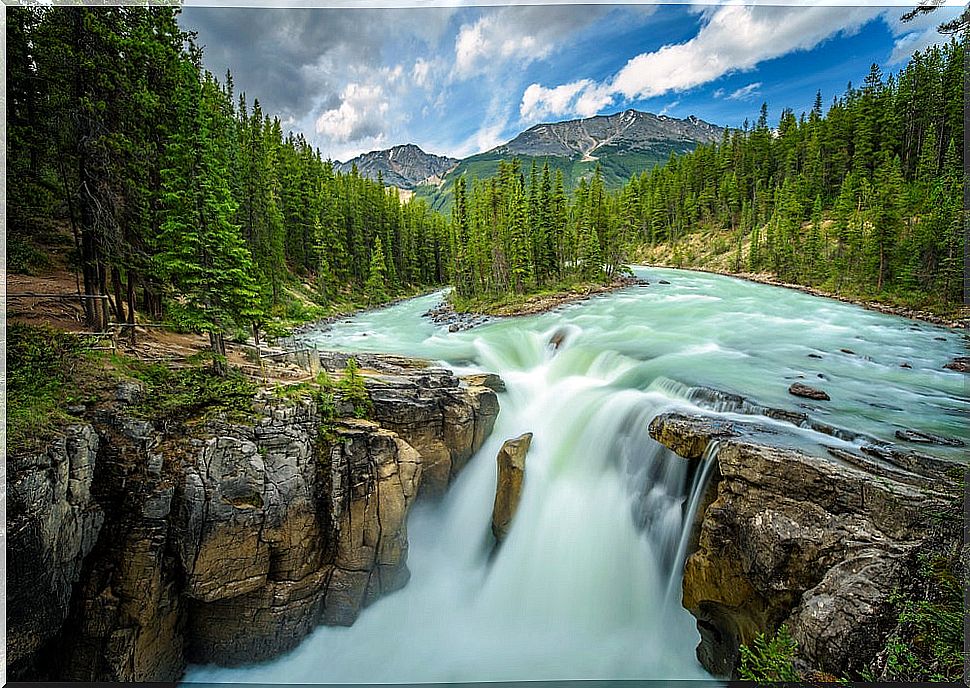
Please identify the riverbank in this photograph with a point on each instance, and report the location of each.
(516, 305)
(322, 323)
(869, 304)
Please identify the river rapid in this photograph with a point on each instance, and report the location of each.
(586, 585)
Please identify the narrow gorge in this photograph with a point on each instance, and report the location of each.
(136, 549)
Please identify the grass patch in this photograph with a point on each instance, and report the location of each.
(510, 303)
(43, 365)
(194, 393)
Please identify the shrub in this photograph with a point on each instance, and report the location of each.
(40, 362)
(770, 659)
(352, 389)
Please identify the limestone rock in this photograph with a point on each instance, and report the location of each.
(928, 438)
(224, 542)
(801, 539)
(53, 523)
(489, 380)
(961, 364)
(445, 420)
(508, 490)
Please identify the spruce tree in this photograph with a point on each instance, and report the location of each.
(376, 285)
(201, 251)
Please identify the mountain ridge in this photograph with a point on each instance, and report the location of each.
(631, 129)
(404, 166)
(622, 144)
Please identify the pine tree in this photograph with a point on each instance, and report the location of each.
(376, 286)
(201, 251)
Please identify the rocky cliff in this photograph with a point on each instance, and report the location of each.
(816, 537)
(134, 550)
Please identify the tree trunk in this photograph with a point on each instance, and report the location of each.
(130, 297)
(118, 303)
(218, 345)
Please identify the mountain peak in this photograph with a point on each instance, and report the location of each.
(630, 129)
(404, 166)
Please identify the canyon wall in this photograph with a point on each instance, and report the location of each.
(135, 549)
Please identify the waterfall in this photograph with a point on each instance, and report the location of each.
(586, 584)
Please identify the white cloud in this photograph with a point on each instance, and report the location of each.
(735, 38)
(421, 73)
(584, 98)
(360, 114)
(732, 38)
(491, 38)
(745, 92)
(592, 99)
(539, 102)
(668, 107)
(520, 34)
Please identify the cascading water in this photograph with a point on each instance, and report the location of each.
(586, 584)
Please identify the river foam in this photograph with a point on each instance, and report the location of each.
(586, 585)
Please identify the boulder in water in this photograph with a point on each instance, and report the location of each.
(960, 364)
(511, 471)
(558, 337)
(800, 390)
(928, 438)
(488, 380)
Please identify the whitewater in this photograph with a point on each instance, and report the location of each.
(587, 583)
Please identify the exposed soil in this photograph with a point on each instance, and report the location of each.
(155, 344)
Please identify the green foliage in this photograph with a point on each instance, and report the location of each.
(199, 208)
(195, 393)
(864, 200)
(200, 251)
(24, 257)
(928, 643)
(769, 660)
(40, 364)
(376, 287)
(351, 387)
(518, 235)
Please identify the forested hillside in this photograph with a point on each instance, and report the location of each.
(621, 145)
(184, 200)
(186, 203)
(864, 198)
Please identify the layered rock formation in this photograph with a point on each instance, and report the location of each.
(133, 552)
(815, 538)
(508, 488)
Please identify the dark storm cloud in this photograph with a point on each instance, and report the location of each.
(291, 59)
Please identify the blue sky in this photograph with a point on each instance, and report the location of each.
(460, 80)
